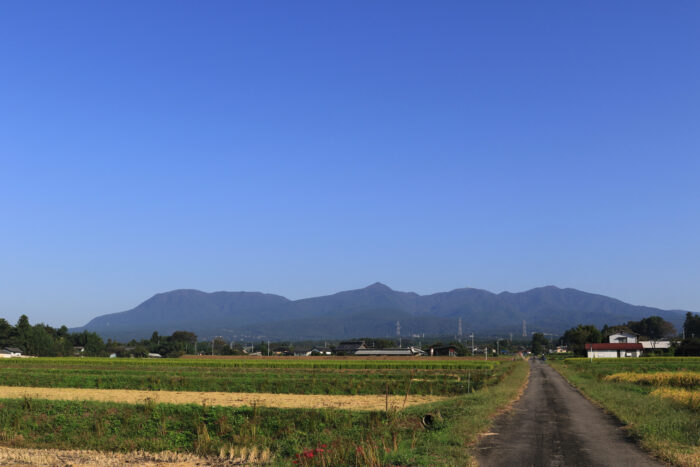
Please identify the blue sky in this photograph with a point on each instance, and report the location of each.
(304, 148)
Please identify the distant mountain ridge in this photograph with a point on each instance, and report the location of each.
(371, 311)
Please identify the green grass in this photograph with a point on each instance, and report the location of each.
(351, 438)
(665, 428)
(337, 377)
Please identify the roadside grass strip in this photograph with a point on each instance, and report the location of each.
(681, 379)
(684, 397)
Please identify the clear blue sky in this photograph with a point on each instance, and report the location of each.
(304, 148)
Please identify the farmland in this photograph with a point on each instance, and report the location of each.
(656, 398)
(460, 393)
(290, 376)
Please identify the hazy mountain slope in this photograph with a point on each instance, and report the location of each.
(371, 311)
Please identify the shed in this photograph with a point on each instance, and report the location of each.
(656, 345)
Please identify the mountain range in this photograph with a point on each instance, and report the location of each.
(370, 312)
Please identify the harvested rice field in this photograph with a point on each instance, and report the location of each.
(226, 399)
(249, 411)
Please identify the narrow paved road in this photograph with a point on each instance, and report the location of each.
(554, 425)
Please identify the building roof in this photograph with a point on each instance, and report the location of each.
(620, 346)
(350, 345)
(387, 352)
(13, 349)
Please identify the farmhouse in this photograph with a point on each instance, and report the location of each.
(9, 352)
(321, 351)
(350, 347)
(303, 352)
(611, 350)
(443, 350)
(404, 352)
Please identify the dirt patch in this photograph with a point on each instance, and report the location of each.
(228, 399)
(44, 457)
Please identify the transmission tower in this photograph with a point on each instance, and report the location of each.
(524, 329)
(459, 328)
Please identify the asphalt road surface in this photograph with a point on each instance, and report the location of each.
(554, 425)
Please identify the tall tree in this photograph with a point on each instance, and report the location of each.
(576, 338)
(539, 343)
(653, 327)
(691, 326)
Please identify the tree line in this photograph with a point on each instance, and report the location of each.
(651, 328)
(42, 340)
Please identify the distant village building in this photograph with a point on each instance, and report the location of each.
(403, 352)
(442, 351)
(78, 351)
(154, 355)
(9, 352)
(614, 350)
(303, 352)
(350, 347)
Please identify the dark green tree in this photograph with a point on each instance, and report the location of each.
(576, 338)
(691, 326)
(653, 327)
(539, 343)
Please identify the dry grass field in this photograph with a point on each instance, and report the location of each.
(224, 399)
(78, 458)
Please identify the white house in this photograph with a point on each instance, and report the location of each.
(623, 338)
(611, 350)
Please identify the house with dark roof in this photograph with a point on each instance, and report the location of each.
(614, 350)
(9, 352)
(442, 351)
(402, 352)
(350, 347)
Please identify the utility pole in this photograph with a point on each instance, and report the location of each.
(268, 347)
